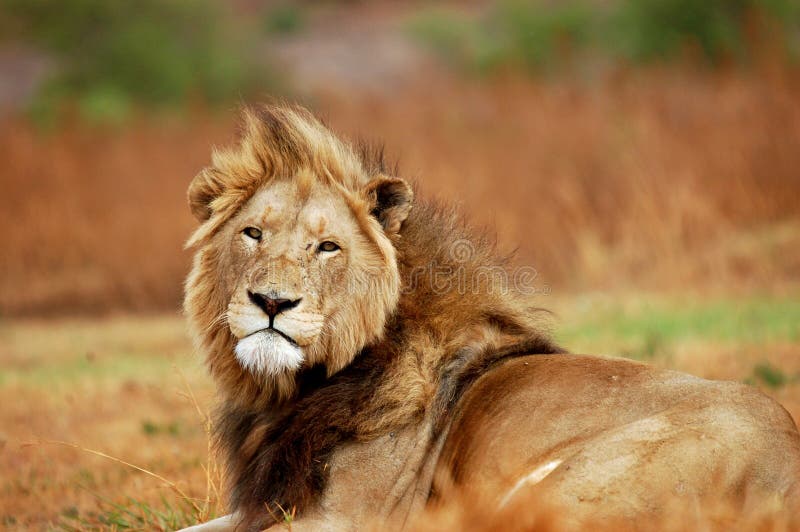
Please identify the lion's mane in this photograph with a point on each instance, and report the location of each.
(443, 334)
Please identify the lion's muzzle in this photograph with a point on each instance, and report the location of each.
(272, 329)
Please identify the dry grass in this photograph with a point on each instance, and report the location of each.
(665, 179)
(94, 219)
(113, 386)
(119, 386)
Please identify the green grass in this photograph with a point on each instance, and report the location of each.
(39, 354)
(541, 37)
(132, 515)
(284, 18)
(117, 57)
(769, 376)
(79, 368)
(647, 328)
(69, 352)
(152, 428)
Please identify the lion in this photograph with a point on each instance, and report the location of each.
(360, 379)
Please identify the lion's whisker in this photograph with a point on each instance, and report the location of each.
(217, 323)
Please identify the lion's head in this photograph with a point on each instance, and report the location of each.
(295, 264)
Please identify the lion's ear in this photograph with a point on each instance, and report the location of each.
(204, 188)
(391, 199)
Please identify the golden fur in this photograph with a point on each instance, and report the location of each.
(412, 342)
(280, 142)
(392, 306)
(277, 143)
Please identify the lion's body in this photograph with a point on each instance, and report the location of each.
(611, 438)
(408, 364)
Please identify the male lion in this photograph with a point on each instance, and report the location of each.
(361, 377)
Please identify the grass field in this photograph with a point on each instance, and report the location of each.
(666, 180)
(130, 388)
(671, 183)
(114, 385)
(658, 204)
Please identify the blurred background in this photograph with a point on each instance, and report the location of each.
(642, 155)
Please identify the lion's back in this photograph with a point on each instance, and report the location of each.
(591, 429)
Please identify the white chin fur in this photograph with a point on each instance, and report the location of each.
(269, 353)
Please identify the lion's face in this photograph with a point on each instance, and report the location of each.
(295, 264)
(297, 269)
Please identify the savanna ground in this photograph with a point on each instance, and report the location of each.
(129, 387)
(659, 206)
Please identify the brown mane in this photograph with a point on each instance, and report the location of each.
(279, 457)
(439, 339)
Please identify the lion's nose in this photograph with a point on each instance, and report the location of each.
(271, 306)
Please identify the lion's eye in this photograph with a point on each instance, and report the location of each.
(253, 232)
(328, 246)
